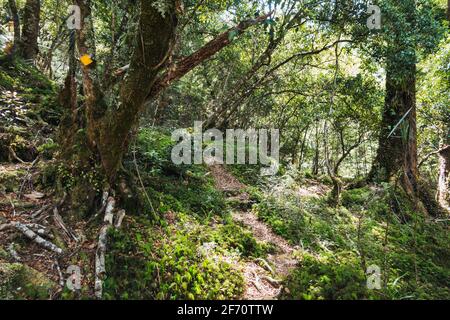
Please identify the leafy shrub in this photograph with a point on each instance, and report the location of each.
(356, 197)
(48, 149)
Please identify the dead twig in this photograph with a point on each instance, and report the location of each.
(12, 206)
(59, 222)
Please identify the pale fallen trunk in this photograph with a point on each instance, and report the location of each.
(111, 220)
(30, 234)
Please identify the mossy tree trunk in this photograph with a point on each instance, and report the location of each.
(397, 150)
(101, 134)
(448, 10)
(28, 47)
(444, 174)
(16, 20)
(109, 127)
(95, 140)
(444, 158)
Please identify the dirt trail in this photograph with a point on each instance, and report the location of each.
(262, 277)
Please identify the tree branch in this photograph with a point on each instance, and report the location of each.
(186, 64)
(425, 159)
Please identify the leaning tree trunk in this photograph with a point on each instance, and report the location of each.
(103, 130)
(108, 127)
(28, 48)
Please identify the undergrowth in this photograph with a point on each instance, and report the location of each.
(183, 259)
(193, 250)
(374, 226)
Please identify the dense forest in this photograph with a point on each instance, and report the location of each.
(224, 149)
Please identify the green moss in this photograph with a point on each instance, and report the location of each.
(6, 81)
(183, 188)
(377, 225)
(329, 277)
(18, 281)
(18, 75)
(183, 260)
(10, 180)
(356, 197)
(3, 253)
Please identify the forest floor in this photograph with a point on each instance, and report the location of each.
(262, 277)
(276, 238)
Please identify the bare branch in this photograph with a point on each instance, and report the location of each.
(186, 64)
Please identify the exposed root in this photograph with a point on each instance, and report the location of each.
(256, 282)
(271, 280)
(14, 155)
(266, 265)
(60, 275)
(100, 269)
(36, 215)
(119, 219)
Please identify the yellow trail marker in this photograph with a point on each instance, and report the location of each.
(86, 60)
(10, 26)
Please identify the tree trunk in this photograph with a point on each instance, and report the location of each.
(448, 10)
(315, 167)
(28, 48)
(108, 127)
(16, 20)
(104, 129)
(397, 151)
(444, 160)
(444, 175)
(302, 149)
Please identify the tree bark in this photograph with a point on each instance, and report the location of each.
(186, 64)
(315, 166)
(448, 10)
(397, 151)
(109, 127)
(95, 136)
(28, 48)
(444, 176)
(444, 160)
(16, 21)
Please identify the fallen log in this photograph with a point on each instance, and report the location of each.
(33, 236)
(110, 220)
(100, 269)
